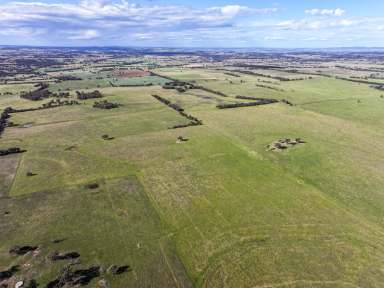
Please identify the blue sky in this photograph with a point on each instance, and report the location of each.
(177, 23)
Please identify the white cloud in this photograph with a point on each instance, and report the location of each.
(232, 10)
(305, 24)
(122, 12)
(121, 22)
(326, 12)
(84, 35)
(274, 38)
(107, 19)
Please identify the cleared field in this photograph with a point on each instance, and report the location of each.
(214, 210)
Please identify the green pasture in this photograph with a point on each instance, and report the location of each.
(218, 210)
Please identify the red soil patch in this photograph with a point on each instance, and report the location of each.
(131, 73)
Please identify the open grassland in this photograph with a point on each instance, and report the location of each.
(218, 210)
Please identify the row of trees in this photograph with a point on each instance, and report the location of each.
(257, 102)
(106, 105)
(4, 120)
(12, 150)
(193, 120)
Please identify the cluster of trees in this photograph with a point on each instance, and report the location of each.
(179, 86)
(61, 95)
(4, 119)
(40, 93)
(194, 121)
(283, 144)
(35, 95)
(105, 105)
(56, 103)
(88, 95)
(379, 87)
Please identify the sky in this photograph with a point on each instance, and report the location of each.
(196, 23)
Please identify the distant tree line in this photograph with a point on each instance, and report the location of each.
(67, 78)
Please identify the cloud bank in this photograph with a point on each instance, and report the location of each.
(121, 22)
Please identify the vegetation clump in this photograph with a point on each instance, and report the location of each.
(70, 277)
(287, 102)
(182, 139)
(88, 95)
(179, 86)
(92, 186)
(61, 95)
(67, 78)
(283, 144)
(117, 270)
(58, 103)
(22, 250)
(106, 105)
(12, 150)
(4, 116)
(56, 256)
(40, 93)
(257, 102)
(169, 103)
(107, 137)
(6, 274)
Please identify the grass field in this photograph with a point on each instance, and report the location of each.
(218, 210)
